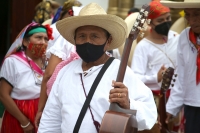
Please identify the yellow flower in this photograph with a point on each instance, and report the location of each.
(182, 13)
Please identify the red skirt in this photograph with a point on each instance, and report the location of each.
(28, 108)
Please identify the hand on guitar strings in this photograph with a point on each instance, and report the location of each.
(119, 94)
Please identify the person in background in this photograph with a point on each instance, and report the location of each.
(93, 33)
(186, 90)
(157, 51)
(45, 10)
(58, 50)
(20, 78)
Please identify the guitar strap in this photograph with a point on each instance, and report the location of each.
(90, 94)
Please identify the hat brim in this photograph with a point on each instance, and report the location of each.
(180, 5)
(179, 25)
(111, 23)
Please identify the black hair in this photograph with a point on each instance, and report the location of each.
(26, 35)
(132, 10)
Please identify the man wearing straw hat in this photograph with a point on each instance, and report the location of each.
(93, 32)
(186, 91)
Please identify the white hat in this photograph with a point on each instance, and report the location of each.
(185, 4)
(93, 14)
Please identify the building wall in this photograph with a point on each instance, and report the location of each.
(104, 3)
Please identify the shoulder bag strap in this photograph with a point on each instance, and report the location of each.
(90, 94)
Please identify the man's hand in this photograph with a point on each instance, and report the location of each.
(160, 73)
(119, 94)
(169, 118)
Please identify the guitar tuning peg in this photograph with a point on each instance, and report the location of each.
(172, 85)
(146, 13)
(174, 80)
(148, 21)
(175, 75)
(142, 21)
(139, 28)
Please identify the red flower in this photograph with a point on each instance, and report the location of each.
(49, 31)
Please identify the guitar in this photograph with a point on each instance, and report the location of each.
(117, 119)
(166, 81)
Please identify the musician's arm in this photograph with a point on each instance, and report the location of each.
(175, 101)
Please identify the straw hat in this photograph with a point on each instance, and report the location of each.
(93, 14)
(179, 25)
(185, 4)
(48, 21)
(130, 20)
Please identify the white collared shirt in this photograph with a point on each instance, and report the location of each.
(67, 98)
(185, 90)
(59, 46)
(22, 78)
(149, 57)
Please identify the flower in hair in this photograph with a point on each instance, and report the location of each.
(49, 31)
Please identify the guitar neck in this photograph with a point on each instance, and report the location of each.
(162, 111)
(123, 65)
(124, 59)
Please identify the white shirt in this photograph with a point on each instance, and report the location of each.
(185, 90)
(149, 57)
(59, 46)
(22, 78)
(67, 98)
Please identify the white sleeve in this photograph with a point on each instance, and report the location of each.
(141, 99)
(51, 119)
(175, 101)
(61, 48)
(9, 72)
(139, 64)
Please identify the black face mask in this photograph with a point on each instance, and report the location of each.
(90, 52)
(163, 28)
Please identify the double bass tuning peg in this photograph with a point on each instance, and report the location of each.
(174, 80)
(172, 85)
(175, 75)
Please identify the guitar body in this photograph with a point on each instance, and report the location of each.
(117, 122)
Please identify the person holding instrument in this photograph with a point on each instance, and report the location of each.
(93, 33)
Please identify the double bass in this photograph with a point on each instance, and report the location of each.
(117, 119)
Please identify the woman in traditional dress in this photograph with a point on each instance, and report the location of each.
(21, 75)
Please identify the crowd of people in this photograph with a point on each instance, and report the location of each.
(52, 68)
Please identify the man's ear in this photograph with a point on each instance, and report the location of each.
(108, 43)
(110, 39)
